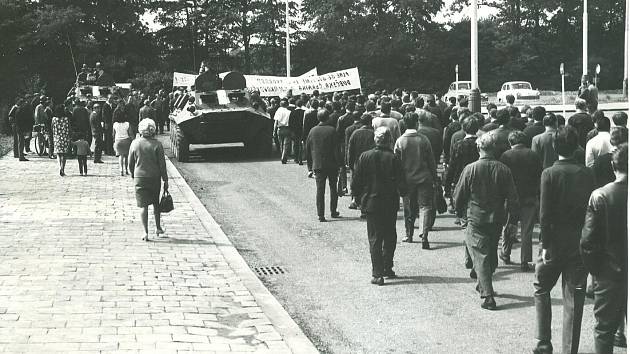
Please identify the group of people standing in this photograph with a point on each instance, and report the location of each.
(514, 167)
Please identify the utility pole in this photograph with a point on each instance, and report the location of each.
(626, 61)
(585, 39)
(475, 94)
(288, 45)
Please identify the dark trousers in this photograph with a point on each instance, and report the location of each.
(18, 142)
(27, 141)
(297, 148)
(528, 215)
(98, 147)
(82, 159)
(573, 291)
(109, 142)
(611, 296)
(381, 228)
(342, 183)
(320, 179)
(482, 241)
(284, 134)
(419, 203)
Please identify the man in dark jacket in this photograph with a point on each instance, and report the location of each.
(296, 125)
(526, 168)
(81, 121)
(538, 113)
(502, 132)
(321, 158)
(360, 141)
(434, 135)
(107, 114)
(26, 120)
(15, 114)
(418, 163)
(378, 178)
(565, 188)
(604, 248)
(581, 121)
(96, 125)
(343, 122)
(485, 188)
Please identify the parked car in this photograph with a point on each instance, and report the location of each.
(459, 89)
(521, 90)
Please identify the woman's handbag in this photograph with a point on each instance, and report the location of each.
(166, 203)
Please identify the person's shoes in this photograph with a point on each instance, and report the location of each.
(525, 267)
(85, 174)
(335, 215)
(23, 159)
(390, 274)
(489, 303)
(425, 244)
(322, 219)
(159, 232)
(122, 173)
(473, 274)
(127, 173)
(457, 222)
(145, 238)
(543, 347)
(408, 239)
(81, 173)
(505, 259)
(353, 206)
(284, 162)
(99, 161)
(377, 281)
(310, 174)
(619, 340)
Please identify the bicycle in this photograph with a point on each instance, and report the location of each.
(42, 139)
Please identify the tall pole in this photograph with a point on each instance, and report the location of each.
(475, 94)
(585, 39)
(288, 45)
(626, 61)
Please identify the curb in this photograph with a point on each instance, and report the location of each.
(280, 319)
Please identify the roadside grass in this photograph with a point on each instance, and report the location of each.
(6, 144)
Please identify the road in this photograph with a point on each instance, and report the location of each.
(268, 211)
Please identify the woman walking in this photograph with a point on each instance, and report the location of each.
(122, 140)
(61, 136)
(147, 165)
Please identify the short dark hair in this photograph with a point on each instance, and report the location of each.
(336, 105)
(516, 137)
(419, 102)
(619, 136)
(370, 105)
(491, 106)
(314, 104)
(329, 107)
(386, 107)
(470, 125)
(620, 158)
(510, 99)
(514, 112)
(565, 141)
(602, 122)
(538, 113)
(323, 115)
(620, 119)
(503, 116)
(452, 100)
(411, 120)
(561, 120)
(493, 113)
(350, 106)
(424, 117)
(366, 119)
(550, 120)
(580, 103)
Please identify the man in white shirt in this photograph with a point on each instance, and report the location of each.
(281, 128)
(600, 143)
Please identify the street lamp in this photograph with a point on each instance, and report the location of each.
(288, 40)
(475, 94)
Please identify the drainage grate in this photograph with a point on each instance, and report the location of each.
(267, 271)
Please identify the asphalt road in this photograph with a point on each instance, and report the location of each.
(268, 211)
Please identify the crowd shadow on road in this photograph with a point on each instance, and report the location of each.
(182, 241)
(424, 279)
(227, 154)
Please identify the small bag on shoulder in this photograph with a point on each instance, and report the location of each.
(166, 203)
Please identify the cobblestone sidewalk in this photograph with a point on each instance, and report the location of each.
(75, 275)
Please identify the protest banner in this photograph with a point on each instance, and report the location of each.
(312, 72)
(341, 80)
(181, 79)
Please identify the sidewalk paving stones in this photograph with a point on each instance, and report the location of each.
(75, 275)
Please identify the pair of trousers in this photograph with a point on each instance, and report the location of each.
(528, 215)
(482, 241)
(82, 159)
(419, 202)
(611, 296)
(18, 142)
(320, 180)
(342, 183)
(297, 149)
(284, 134)
(98, 148)
(109, 142)
(573, 291)
(381, 229)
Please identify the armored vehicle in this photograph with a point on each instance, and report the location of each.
(219, 112)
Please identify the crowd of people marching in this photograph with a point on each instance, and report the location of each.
(514, 167)
(509, 169)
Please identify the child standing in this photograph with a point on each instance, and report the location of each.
(83, 149)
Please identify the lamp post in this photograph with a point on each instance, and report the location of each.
(475, 94)
(564, 111)
(585, 39)
(288, 45)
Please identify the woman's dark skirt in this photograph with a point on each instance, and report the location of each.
(147, 190)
